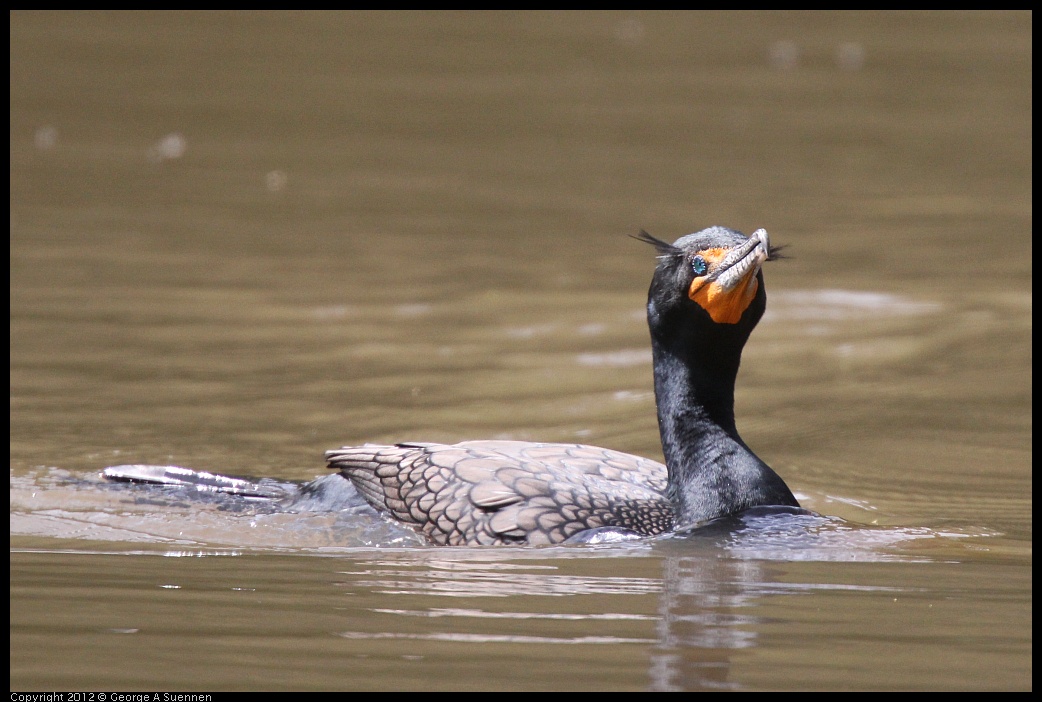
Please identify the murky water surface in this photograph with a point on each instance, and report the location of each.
(240, 239)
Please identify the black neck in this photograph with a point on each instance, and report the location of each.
(712, 472)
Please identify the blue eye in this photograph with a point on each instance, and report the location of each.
(699, 265)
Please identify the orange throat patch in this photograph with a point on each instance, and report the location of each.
(725, 306)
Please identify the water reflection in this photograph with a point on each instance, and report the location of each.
(700, 621)
(484, 577)
(489, 638)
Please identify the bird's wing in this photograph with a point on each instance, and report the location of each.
(493, 492)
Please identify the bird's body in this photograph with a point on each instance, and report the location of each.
(496, 492)
(705, 298)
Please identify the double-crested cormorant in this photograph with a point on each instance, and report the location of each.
(706, 297)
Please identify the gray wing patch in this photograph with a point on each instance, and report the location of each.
(495, 492)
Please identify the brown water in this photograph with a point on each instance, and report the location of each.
(238, 240)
